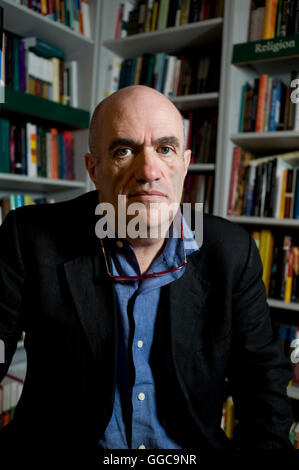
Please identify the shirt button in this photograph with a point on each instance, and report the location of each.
(119, 244)
(141, 396)
(141, 446)
(140, 344)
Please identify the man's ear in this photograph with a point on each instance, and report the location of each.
(90, 165)
(187, 157)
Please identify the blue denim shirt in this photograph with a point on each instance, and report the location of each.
(137, 306)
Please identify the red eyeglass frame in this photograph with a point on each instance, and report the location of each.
(149, 275)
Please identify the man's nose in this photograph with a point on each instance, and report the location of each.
(148, 166)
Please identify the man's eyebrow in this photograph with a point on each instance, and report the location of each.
(169, 139)
(122, 141)
(165, 140)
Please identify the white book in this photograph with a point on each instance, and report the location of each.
(176, 77)
(281, 166)
(168, 83)
(72, 65)
(186, 124)
(55, 65)
(86, 19)
(201, 185)
(31, 64)
(112, 76)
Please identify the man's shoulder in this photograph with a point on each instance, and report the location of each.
(217, 229)
(225, 245)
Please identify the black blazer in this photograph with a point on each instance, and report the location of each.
(53, 285)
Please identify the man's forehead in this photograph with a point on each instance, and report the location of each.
(130, 121)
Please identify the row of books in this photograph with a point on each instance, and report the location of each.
(72, 13)
(171, 75)
(265, 186)
(268, 105)
(140, 16)
(32, 150)
(273, 18)
(200, 137)
(199, 188)
(13, 201)
(38, 68)
(280, 258)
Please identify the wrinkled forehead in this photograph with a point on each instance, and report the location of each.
(136, 118)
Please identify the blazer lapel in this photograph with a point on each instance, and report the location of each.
(187, 298)
(94, 299)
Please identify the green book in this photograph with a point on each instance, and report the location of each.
(242, 108)
(163, 14)
(4, 146)
(150, 73)
(43, 48)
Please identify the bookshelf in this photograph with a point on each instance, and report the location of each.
(242, 66)
(170, 40)
(46, 111)
(173, 41)
(191, 102)
(277, 141)
(20, 20)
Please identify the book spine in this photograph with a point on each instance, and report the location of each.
(270, 19)
(233, 180)
(259, 124)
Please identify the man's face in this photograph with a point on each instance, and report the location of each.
(141, 155)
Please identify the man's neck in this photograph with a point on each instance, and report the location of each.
(146, 251)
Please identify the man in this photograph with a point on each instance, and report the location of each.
(119, 357)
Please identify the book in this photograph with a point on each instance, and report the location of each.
(43, 48)
(259, 124)
(270, 19)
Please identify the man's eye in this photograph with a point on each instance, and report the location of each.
(165, 150)
(122, 152)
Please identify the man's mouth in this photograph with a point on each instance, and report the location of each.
(147, 195)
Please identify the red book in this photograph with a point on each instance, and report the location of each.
(260, 113)
(118, 22)
(234, 180)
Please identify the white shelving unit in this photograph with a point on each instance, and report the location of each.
(169, 40)
(283, 305)
(267, 143)
(191, 102)
(278, 141)
(271, 221)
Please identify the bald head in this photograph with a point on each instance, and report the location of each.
(113, 106)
